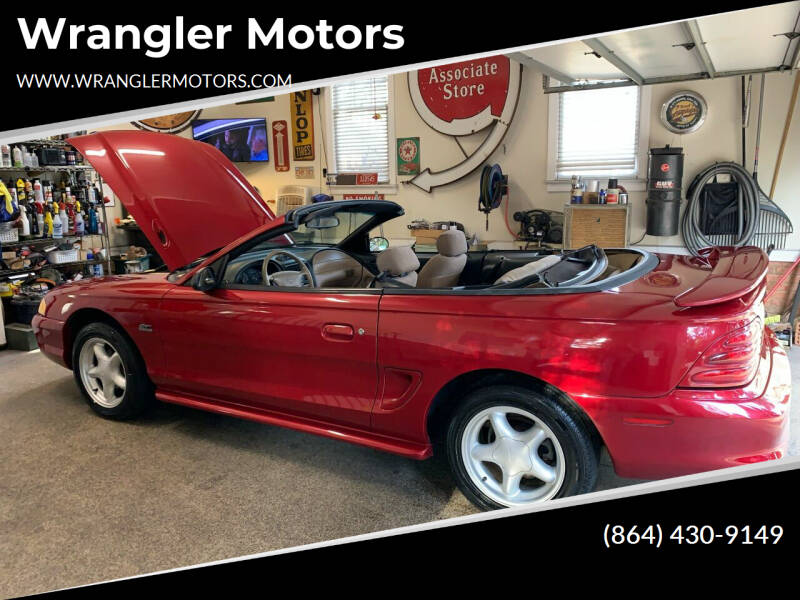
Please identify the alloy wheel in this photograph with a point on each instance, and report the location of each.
(102, 372)
(512, 456)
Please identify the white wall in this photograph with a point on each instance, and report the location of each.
(523, 154)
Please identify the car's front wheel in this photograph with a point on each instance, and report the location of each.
(511, 446)
(110, 372)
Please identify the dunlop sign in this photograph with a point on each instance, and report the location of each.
(302, 125)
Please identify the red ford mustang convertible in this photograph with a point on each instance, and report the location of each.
(520, 365)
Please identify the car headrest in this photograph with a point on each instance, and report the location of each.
(452, 243)
(398, 261)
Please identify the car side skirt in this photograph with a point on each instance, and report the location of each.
(346, 434)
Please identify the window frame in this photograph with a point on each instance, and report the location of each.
(389, 188)
(635, 183)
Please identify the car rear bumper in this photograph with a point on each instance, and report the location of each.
(50, 337)
(690, 431)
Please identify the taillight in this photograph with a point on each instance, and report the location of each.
(730, 362)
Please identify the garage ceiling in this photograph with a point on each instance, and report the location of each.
(748, 41)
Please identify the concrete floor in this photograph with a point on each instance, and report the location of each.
(84, 499)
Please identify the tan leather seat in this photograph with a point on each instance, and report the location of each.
(444, 269)
(334, 268)
(398, 264)
(532, 268)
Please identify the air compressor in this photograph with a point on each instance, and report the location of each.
(664, 177)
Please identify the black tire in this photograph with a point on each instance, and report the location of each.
(139, 392)
(581, 452)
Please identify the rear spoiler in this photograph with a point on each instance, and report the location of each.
(735, 272)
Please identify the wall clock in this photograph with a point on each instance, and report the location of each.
(174, 123)
(684, 112)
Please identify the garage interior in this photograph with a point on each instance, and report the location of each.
(84, 499)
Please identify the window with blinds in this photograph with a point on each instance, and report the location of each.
(598, 133)
(360, 140)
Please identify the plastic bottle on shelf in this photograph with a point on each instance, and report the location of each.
(49, 225)
(62, 214)
(58, 230)
(26, 225)
(16, 155)
(5, 150)
(21, 195)
(92, 221)
(79, 226)
(34, 221)
(40, 224)
(38, 194)
(71, 219)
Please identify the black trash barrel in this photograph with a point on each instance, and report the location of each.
(664, 176)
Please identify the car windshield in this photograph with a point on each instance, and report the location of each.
(328, 230)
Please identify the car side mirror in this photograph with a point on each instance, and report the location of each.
(204, 280)
(378, 244)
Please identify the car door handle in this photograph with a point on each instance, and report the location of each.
(337, 332)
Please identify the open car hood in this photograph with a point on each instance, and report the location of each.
(186, 196)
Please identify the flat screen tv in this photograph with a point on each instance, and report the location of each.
(241, 140)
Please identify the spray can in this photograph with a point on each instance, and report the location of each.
(612, 193)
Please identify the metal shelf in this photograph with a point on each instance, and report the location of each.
(105, 241)
(46, 169)
(13, 272)
(44, 241)
(59, 143)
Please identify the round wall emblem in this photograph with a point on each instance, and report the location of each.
(407, 150)
(174, 123)
(684, 112)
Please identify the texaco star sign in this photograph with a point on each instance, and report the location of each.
(462, 99)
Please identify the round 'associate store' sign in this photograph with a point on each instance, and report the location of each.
(464, 97)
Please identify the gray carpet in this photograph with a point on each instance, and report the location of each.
(83, 499)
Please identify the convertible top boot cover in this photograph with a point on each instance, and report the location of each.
(186, 196)
(532, 268)
(399, 265)
(444, 269)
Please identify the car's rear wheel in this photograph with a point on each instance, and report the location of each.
(511, 446)
(110, 372)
